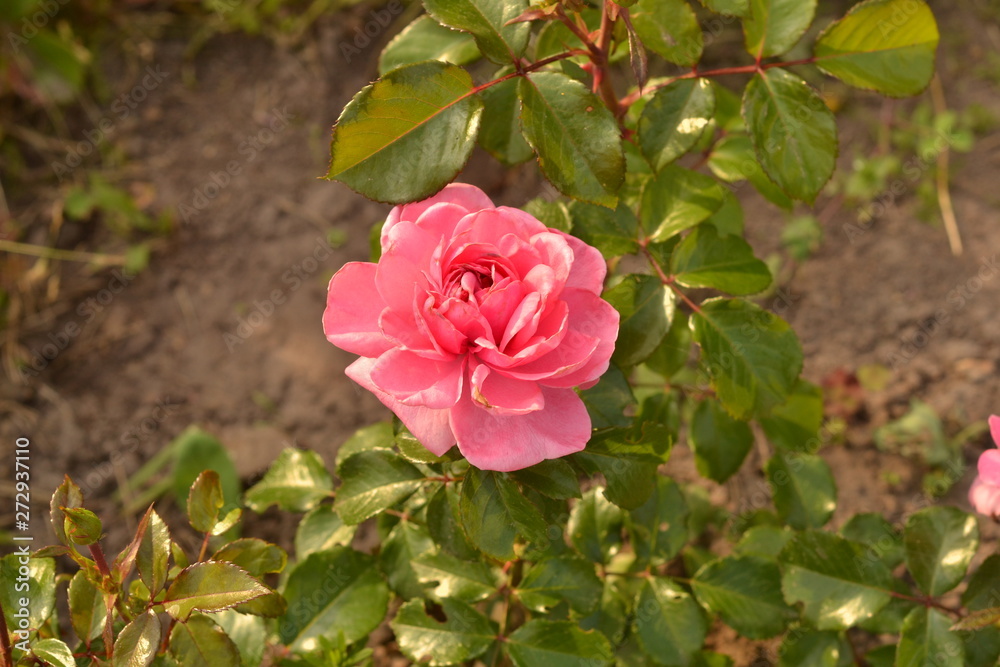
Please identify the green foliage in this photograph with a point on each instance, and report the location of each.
(598, 557)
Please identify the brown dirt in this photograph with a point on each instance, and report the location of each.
(162, 341)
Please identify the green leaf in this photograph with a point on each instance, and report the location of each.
(752, 356)
(199, 642)
(608, 400)
(746, 592)
(670, 625)
(674, 119)
(138, 643)
(884, 45)
(444, 523)
(595, 526)
(719, 442)
(774, 26)
(295, 482)
(766, 541)
(940, 543)
(628, 460)
(487, 21)
(805, 493)
(87, 613)
(38, 588)
(55, 652)
(576, 137)
(204, 501)
(376, 436)
(154, 553)
(552, 580)
(926, 641)
(449, 577)
(196, 451)
(321, 529)
(465, 634)
(553, 214)
(983, 590)
(646, 308)
(670, 29)
(728, 7)
(374, 481)
(408, 134)
(674, 350)
(557, 644)
(67, 494)
(426, 39)
(795, 424)
(883, 541)
(331, 592)
(813, 648)
(406, 542)
(978, 620)
(254, 555)
(677, 199)
(793, 132)
(494, 513)
(830, 576)
(553, 478)
(501, 131)
(703, 259)
(613, 232)
(249, 633)
(658, 527)
(733, 160)
(728, 220)
(210, 586)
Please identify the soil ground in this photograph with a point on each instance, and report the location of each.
(181, 343)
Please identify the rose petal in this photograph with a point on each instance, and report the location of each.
(504, 395)
(989, 466)
(431, 427)
(353, 307)
(415, 380)
(405, 262)
(593, 317)
(995, 429)
(985, 498)
(468, 197)
(491, 441)
(492, 224)
(589, 268)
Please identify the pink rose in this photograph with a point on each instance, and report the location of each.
(985, 492)
(474, 327)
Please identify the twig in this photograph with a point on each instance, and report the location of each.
(59, 254)
(943, 193)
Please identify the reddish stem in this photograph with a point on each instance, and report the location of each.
(98, 555)
(632, 97)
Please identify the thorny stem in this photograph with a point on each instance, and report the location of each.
(602, 83)
(102, 564)
(667, 280)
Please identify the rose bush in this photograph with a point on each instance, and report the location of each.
(474, 327)
(985, 491)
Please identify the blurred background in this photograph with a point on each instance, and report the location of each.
(166, 239)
